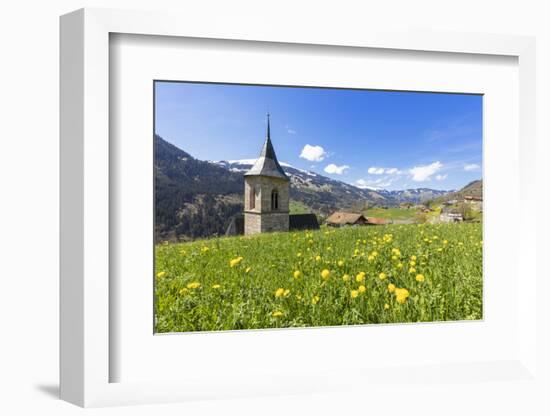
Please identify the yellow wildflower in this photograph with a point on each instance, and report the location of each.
(345, 278)
(399, 265)
(183, 291)
(286, 292)
(235, 262)
(420, 278)
(193, 285)
(325, 274)
(317, 258)
(340, 263)
(247, 269)
(216, 286)
(360, 277)
(386, 306)
(160, 275)
(412, 263)
(362, 289)
(401, 295)
(297, 274)
(277, 314)
(279, 292)
(354, 293)
(391, 288)
(382, 276)
(315, 300)
(298, 254)
(412, 270)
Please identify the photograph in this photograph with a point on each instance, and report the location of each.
(296, 207)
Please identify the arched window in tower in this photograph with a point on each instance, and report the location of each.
(274, 200)
(252, 198)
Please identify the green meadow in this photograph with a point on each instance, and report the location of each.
(346, 276)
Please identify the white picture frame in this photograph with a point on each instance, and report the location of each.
(86, 265)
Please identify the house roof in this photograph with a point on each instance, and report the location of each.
(340, 217)
(267, 163)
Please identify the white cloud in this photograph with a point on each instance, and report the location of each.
(338, 170)
(393, 171)
(375, 184)
(313, 153)
(472, 167)
(424, 173)
(373, 170)
(290, 130)
(440, 177)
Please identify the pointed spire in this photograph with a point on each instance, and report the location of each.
(267, 164)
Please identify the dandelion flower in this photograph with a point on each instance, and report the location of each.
(399, 265)
(297, 274)
(317, 258)
(362, 289)
(277, 314)
(354, 293)
(340, 263)
(401, 295)
(235, 262)
(325, 274)
(298, 254)
(391, 288)
(382, 276)
(247, 269)
(160, 275)
(315, 300)
(420, 278)
(346, 278)
(193, 285)
(183, 291)
(412, 270)
(286, 292)
(279, 292)
(216, 286)
(386, 306)
(360, 277)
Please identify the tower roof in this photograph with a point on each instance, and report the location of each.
(267, 163)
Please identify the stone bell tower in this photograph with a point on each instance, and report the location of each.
(266, 193)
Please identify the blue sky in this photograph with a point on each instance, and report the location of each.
(375, 139)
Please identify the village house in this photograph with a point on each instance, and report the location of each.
(341, 219)
(451, 214)
(266, 198)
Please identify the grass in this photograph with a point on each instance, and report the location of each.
(297, 207)
(345, 277)
(392, 213)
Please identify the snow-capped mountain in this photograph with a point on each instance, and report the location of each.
(417, 195)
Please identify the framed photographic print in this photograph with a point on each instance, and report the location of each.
(377, 219)
(270, 213)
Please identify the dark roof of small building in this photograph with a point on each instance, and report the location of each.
(303, 222)
(267, 164)
(340, 217)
